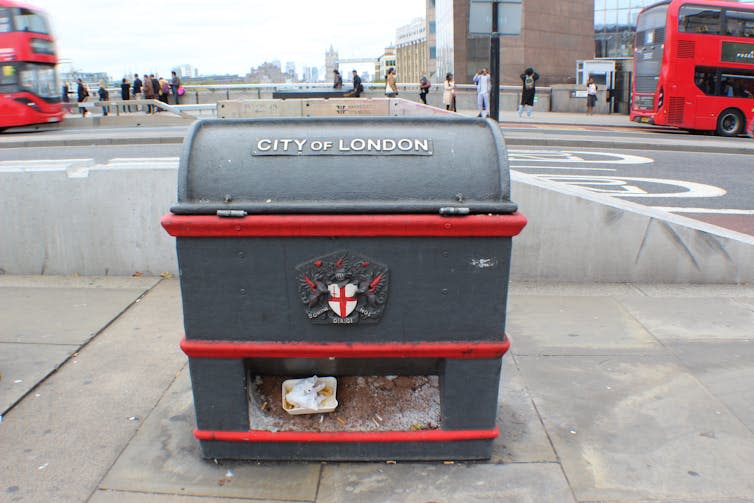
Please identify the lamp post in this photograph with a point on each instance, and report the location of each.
(494, 18)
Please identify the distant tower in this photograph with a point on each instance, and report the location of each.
(331, 61)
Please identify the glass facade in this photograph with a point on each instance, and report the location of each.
(614, 26)
(444, 39)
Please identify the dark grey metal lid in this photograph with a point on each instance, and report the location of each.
(451, 165)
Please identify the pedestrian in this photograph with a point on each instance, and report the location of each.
(424, 85)
(482, 81)
(591, 96)
(358, 87)
(449, 93)
(155, 88)
(175, 84)
(148, 91)
(104, 97)
(528, 90)
(164, 90)
(64, 95)
(125, 93)
(337, 82)
(136, 89)
(391, 86)
(82, 94)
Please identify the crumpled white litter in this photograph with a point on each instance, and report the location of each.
(305, 393)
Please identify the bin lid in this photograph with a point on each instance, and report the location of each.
(329, 165)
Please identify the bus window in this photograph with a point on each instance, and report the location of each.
(650, 26)
(40, 79)
(730, 82)
(4, 20)
(739, 23)
(692, 19)
(8, 75)
(28, 20)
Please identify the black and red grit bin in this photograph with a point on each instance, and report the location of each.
(347, 247)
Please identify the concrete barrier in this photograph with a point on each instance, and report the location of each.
(576, 235)
(76, 217)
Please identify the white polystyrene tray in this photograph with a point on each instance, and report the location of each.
(329, 405)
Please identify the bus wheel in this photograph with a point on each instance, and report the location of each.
(730, 123)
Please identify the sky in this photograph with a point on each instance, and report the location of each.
(219, 36)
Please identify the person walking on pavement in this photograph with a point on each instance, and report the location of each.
(82, 94)
(136, 89)
(482, 81)
(391, 87)
(591, 96)
(358, 87)
(449, 93)
(65, 97)
(424, 85)
(337, 82)
(175, 83)
(164, 90)
(148, 92)
(155, 88)
(104, 97)
(528, 90)
(125, 93)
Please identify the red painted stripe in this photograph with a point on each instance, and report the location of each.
(459, 350)
(346, 436)
(344, 225)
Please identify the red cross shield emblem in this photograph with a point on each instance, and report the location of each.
(342, 298)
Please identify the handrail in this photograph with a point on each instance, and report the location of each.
(118, 104)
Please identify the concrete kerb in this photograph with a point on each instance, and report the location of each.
(512, 138)
(573, 235)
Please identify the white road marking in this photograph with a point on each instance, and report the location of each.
(79, 168)
(516, 155)
(569, 168)
(43, 164)
(720, 211)
(618, 186)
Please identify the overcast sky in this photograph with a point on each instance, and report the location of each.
(220, 36)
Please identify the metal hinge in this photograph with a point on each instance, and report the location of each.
(449, 211)
(231, 213)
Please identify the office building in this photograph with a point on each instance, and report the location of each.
(411, 50)
(553, 37)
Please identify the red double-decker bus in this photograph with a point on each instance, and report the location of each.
(694, 66)
(29, 87)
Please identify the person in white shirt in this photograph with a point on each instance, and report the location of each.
(482, 81)
(591, 96)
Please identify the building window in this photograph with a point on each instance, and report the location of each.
(433, 52)
(432, 27)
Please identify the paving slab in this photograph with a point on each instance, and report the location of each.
(747, 302)
(76, 281)
(692, 318)
(59, 315)
(522, 436)
(23, 366)
(164, 457)
(439, 483)
(103, 496)
(629, 427)
(548, 324)
(518, 288)
(726, 369)
(58, 446)
(688, 290)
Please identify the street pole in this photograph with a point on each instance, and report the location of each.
(495, 66)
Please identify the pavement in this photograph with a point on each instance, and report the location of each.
(543, 129)
(610, 393)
